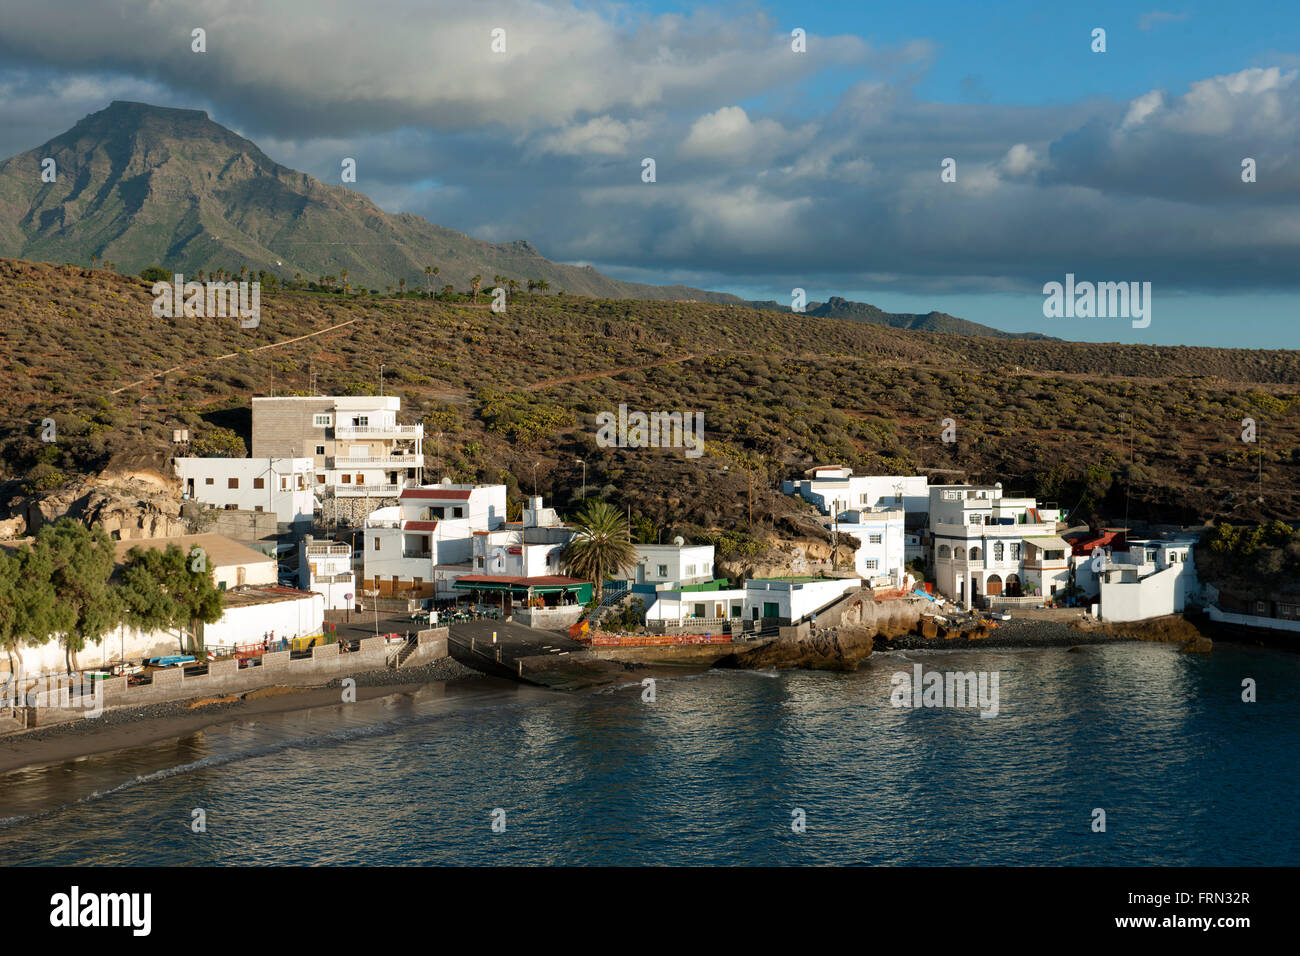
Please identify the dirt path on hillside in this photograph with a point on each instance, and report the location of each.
(230, 355)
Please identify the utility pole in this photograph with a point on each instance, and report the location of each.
(749, 476)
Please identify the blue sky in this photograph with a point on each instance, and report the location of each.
(775, 169)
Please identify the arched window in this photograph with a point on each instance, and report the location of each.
(998, 550)
(945, 551)
(974, 554)
(958, 553)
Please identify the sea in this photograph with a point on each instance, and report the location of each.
(1123, 754)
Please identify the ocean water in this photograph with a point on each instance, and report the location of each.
(713, 771)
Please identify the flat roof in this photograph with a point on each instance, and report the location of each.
(247, 597)
(222, 552)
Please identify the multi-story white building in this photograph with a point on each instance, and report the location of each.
(423, 544)
(527, 548)
(1151, 578)
(282, 486)
(679, 564)
(325, 567)
(881, 554)
(986, 545)
(356, 444)
(833, 488)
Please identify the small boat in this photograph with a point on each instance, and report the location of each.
(170, 661)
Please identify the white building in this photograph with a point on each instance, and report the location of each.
(282, 486)
(986, 545)
(1150, 579)
(423, 544)
(833, 488)
(674, 564)
(325, 568)
(881, 554)
(233, 565)
(356, 444)
(682, 607)
(527, 548)
(792, 602)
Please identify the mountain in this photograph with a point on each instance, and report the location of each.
(143, 185)
(838, 308)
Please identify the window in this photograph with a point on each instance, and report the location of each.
(872, 564)
(347, 479)
(862, 499)
(258, 508)
(207, 481)
(284, 482)
(699, 610)
(945, 551)
(959, 553)
(361, 421)
(321, 421)
(320, 449)
(1054, 555)
(663, 570)
(478, 562)
(690, 570)
(320, 479)
(873, 539)
(998, 550)
(458, 512)
(377, 543)
(232, 482)
(974, 554)
(259, 483)
(1015, 551)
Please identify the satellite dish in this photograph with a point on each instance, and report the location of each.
(679, 541)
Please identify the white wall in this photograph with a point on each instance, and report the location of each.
(676, 562)
(1152, 596)
(286, 491)
(677, 606)
(794, 600)
(248, 624)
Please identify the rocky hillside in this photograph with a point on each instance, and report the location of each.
(1107, 431)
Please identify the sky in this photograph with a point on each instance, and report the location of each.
(775, 169)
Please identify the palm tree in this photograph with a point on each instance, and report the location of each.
(474, 284)
(532, 286)
(447, 291)
(343, 274)
(428, 273)
(513, 284)
(543, 285)
(602, 546)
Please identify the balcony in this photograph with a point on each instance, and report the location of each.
(421, 555)
(338, 461)
(378, 431)
(374, 491)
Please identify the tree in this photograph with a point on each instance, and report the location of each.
(158, 274)
(601, 547)
(28, 601)
(343, 274)
(170, 590)
(543, 285)
(82, 563)
(474, 285)
(401, 285)
(447, 291)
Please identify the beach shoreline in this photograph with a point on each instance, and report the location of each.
(122, 728)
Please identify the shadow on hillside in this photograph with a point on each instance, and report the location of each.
(238, 420)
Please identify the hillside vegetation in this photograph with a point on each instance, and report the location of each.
(1103, 429)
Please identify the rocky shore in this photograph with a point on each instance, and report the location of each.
(1021, 632)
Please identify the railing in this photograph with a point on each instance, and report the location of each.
(339, 461)
(361, 431)
(416, 554)
(382, 491)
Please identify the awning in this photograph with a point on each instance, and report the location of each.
(1050, 542)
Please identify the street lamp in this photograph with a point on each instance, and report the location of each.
(381, 378)
(584, 478)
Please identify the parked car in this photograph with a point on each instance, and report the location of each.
(1001, 614)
